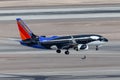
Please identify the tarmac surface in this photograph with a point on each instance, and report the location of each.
(19, 62)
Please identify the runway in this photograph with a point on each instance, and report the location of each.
(61, 13)
(24, 63)
(20, 62)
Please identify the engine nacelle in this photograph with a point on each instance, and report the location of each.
(82, 47)
(54, 47)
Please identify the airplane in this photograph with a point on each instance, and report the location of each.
(76, 42)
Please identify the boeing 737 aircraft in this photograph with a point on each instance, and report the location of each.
(77, 42)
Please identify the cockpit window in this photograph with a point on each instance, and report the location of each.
(94, 37)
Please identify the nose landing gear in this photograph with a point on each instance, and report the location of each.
(97, 48)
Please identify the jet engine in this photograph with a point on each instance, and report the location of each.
(82, 47)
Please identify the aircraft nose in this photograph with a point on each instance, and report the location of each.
(105, 39)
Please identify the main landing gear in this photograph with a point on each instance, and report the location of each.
(66, 52)
(58, 51)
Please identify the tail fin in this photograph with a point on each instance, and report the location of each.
(25, 32)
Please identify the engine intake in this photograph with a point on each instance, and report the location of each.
(82, 47)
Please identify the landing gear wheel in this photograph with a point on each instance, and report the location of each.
(76, 48)
(58, 51)
(67, 52)
(97, 48)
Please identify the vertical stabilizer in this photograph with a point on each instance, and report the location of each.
(25, 32)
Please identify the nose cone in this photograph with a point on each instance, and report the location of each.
(105, 39)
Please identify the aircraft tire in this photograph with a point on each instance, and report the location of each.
(58, 51)
(67, 52)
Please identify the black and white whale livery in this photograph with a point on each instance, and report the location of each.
(77, 42)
